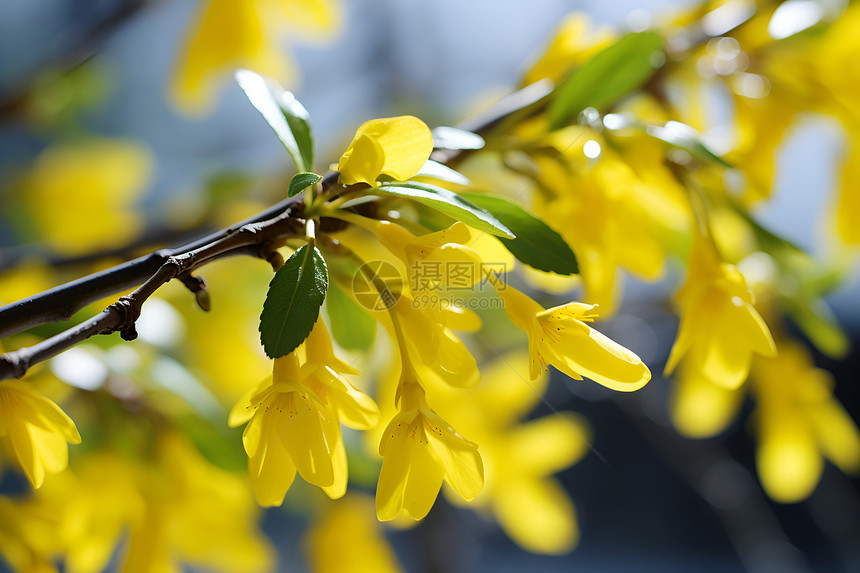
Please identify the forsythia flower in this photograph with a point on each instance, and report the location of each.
(294, 422)
(720, 329)
(573, 44)
(561, 337)
(351, 527)
(35, 430)
(419, 451)
(395, 146)
(799, 422)
(97, 182)
(230, 35)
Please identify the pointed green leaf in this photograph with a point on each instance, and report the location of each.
(608, 76)
(536, 244)
(448, 203)
(302, 181)
(351, 326)
(445, 137)
(293, 302)
(284, 114)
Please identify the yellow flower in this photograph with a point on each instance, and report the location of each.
(294, 422)
(35, 430)
(720, 328)
(350, 526)
(419, 451)
(799, 422)
(574, 43)
(699, 408)
(98, 182)
(395, 146)
(561, 337)
(230, 35)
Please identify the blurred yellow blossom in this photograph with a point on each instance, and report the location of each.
(82, 196)
(720, 328)
(35, 430)
(799, 423)
(347, 538)
(26, 543)
(174, 507)
(599, 209)
(230, 35)
(561, 337)
(574, 43)
(395, 146)
(698, 407)
(419, 451)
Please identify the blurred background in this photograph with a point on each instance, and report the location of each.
(647, 499)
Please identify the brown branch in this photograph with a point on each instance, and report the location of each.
(253, 237)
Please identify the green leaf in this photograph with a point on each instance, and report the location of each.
(608, 76)
(293, 302)
(445, 137)
(302, 181)
(351, 326)
(284, 114)
(448, 203)
(536, 244)
(685, 137)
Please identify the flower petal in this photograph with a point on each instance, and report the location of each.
(538, 515)
(599, 358)
(464, 469)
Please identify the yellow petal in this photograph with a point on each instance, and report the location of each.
(25, 452)
(549, 444)
(396, 146)
(410, 478)
(537, 515)
(356, 409)
(300, 430)
(228, 35)
(788, 461)
(272, 473)
(464, 469)
(837, 435)
(351, 527)
(699, 408)
(338, 459)
(595, 356)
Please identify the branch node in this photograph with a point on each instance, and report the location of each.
(128, 310)
(197, 285)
